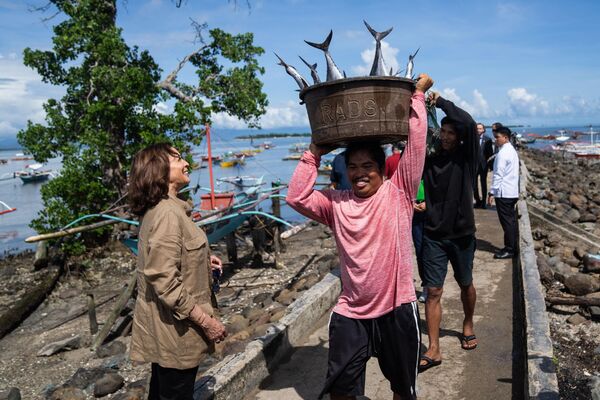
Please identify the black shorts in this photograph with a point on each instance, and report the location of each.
(394, 338)
(437, 253)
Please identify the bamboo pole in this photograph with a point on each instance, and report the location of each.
(92, 314)
(70, 231)
(574, 301)
(114, 314)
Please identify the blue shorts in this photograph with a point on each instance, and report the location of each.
(436, 254)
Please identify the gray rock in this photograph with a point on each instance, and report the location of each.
(576, 319)
(236, 324)
(70, 343)
(552, 261)
(546, 273)
(68, 393)
(252, 313)
(561, 271)
(588, 217)
(578, 201)
(111, 349)
(572, 215)
(115, 362)
(12, 393)
(594, 312)
(597, 350)
(108, 384)
(131, 394)
(580, 252)
(581, 284)
(261, 297)
(594, 385)
(591, 263)
(82, 378)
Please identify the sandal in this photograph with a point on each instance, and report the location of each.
(464, 342)
(429, 362)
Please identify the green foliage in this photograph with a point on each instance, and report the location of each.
(109, 110)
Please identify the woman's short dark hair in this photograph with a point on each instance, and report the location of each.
(459, 128)
(149, 177)
(372, 148)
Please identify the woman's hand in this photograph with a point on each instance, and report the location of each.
(212, 327)
(216, 263)
(433, 96)
(424, 83)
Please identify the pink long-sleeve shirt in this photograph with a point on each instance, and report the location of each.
(373, 235)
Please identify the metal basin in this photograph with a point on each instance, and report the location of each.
(355, 109)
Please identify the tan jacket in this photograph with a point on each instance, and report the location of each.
(174, 274)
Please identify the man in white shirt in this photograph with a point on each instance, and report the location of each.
(505, 190)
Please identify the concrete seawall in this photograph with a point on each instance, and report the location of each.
(541, 381)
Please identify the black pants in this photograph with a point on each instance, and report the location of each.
(507, 214)
(171, 383)
(482, 178)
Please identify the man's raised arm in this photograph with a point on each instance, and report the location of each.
(410, 167)
(301, 195)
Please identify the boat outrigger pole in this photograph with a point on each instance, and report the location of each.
(210, 169)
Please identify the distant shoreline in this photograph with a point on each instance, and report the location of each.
(273, 135)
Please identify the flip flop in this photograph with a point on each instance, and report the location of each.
(464, 342)
(429, 362)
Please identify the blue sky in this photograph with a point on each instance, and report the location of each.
(529, 62)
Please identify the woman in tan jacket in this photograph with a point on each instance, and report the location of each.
(173, 323)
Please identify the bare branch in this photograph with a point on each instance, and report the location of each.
(168, 83)
(199, 28)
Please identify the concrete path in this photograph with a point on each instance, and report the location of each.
(484, 373)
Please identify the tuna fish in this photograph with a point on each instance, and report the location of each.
(302, 83)
(313, 70)
(411, 65)
(333, 72)
(379, 68)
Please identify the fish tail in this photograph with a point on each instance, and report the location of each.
(322, 46)
(281, 62)
(377, 35)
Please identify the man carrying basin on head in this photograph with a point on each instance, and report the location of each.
(376, 313)
(449, 233)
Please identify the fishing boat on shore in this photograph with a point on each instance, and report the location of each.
(292, 157)
(5, 208)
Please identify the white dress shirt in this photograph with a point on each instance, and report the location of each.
(505, 181)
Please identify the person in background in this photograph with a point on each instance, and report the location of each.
(391, 163)
(505, 191)
(173, 324)
(490, 161)
(339, 177)
(418, 221)
(485, 152)
(376, 313)
(450, 224)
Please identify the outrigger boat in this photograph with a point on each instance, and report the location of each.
(218, 213)
(33, 173)
(5, 208)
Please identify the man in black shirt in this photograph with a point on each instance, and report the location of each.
(449, 235)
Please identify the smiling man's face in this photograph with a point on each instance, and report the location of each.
(364, 174)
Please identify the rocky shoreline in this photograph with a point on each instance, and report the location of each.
(564, 197)
(49, 355)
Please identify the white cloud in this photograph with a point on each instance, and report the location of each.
(368, 55)
(478, 107)
(163, 108)
(22, 95)
(523, 103)
(290, 114)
